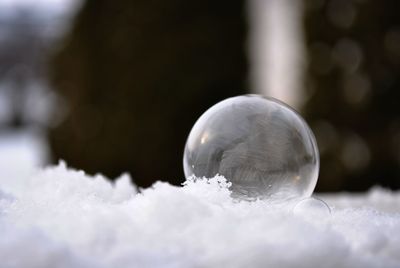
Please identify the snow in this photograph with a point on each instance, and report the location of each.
(61, 217)
(55, 7)
(21, 152)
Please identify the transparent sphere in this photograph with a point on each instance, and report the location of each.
(312, 207)
(260, 145)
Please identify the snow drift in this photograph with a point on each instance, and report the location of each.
(60, 217)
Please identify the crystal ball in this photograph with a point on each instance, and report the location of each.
(261, 146)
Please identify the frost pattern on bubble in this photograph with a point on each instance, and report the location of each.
(260, 145)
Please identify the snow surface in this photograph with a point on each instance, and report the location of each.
(60, 217)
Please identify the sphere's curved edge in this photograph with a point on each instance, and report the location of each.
(223, 108)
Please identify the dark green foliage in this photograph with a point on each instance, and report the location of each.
(137, 74)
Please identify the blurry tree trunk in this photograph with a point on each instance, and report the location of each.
(354, 49)
(137, 74)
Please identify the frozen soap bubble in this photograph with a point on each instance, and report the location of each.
(260, 145)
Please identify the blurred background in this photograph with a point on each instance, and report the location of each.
(115, 86)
